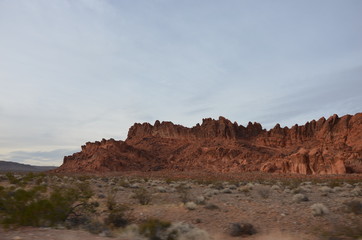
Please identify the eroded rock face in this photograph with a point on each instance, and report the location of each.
(326, 146)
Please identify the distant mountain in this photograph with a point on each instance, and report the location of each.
(18, 167)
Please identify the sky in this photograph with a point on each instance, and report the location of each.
(73, 71)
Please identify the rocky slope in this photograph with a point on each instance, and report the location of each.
(326, 146)
(6, 166)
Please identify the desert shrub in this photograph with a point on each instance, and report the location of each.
(83, 190)
(101, 195)
(153, 229)
(40, 188)
(245, 189)
(342, 230)
(12, 179)
(357, 191)
(240, 229)
(232, 186)
(338, 189)
(161, 189)
(211, 192)
(226, 190)
(168, 181)
(298, 190)
(292, 183)
(184, 193)
(300, 198)
(205, 182)
(111, 200)
(190, 205)
(143, 196)
(325, 189)
(354, 206)
(29, 177)
(184, 231)
(335, 183)
(35, 208)
(124, 183)
(200, 200)
(287, 190)
(95, 227)
(211, 206)
(319, 209)
(275, 188)
(117, 212)
(263, 191)
(118, 216)
(218, 185)
(135, 185)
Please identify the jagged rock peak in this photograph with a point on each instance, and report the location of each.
(326, 146)
(224, 128)
(209, 128)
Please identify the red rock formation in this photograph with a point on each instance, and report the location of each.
(332, 146)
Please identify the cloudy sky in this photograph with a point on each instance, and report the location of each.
(73, 71)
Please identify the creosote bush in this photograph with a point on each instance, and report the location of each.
(184, 193)
(118, 216)
(143, 196)
(117, 212)
(263, 191)
(35, 207)
(354, 206)
(12, 179)
(153, 228)
(23, 180)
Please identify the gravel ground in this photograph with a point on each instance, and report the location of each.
(277, 210)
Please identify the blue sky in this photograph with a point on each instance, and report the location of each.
(73, 71)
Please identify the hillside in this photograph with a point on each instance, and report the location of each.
(326, 146)
(6, 166)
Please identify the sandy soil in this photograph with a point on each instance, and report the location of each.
(271, 207)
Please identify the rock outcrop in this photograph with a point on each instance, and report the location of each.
(326, 146)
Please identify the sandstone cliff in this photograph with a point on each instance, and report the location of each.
(326, 146)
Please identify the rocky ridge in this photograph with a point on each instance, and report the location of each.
(326, 146)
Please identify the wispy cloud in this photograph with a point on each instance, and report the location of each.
(78, 71)
(40, 158)
(333, 93)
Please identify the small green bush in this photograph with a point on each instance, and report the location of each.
(143, 196)
(184, 193)
(153, 228)
(335, 183)
(118, 216)
(12, 179)
(218, 185)
(124, 183)
(111, 201)
(35, 207)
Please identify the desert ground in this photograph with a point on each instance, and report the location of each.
(135, 206)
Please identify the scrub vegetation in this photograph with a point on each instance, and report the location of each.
(180, 209)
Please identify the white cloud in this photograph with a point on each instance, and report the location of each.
(38, 158)
(77, 71)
